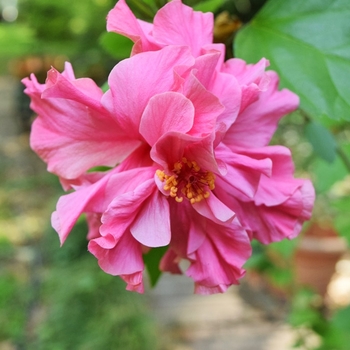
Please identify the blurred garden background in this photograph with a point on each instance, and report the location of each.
(58, 298)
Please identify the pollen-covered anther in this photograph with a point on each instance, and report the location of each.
(179, 199)
(189, 180)
(173, 191)
(160, 174)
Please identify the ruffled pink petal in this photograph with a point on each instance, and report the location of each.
(276, 220)
(166, 112)
(71, 206)
(307, 193)
(82, 90)
(94, 197)
(274, 191)
(224, 86)
(121, 257)
(127, 178)
(121, 20)
(73, 132)
(251, 77)
(94, 223)
(272, 224)
(207, 107)
(213, 209)
(243, 172)
(247, 74)
(124, 208)
(178, 24)
(255, 126)
(281, 203)
(281, 157)
(170, 148)
(135, 80)
(203, 153)
(185, 239)
(144, 210)
(218, 262)
(170, 262)
(174, 24)
(229, 93)
(207, 66)
(134, 282)
(152, 224)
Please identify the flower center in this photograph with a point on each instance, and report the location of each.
(188, 180)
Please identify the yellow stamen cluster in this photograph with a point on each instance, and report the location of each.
(189, 179)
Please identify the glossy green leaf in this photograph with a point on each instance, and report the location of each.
(341, 320)
(325, 175)
(105, 87)
(116, 45)
(152, 259)
(342, 218)
(144, 9)
(322, 141)
(208, 5)
(338, 337)
(14, 39)
(307, 43)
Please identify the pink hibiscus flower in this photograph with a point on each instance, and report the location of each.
(186, 137)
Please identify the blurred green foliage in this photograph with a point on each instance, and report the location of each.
(87, 307)
(59, 28)
(337, 335)
(79, 306)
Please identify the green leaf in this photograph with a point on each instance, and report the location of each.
(143, 9)
(307, 43)
(285, 248)
(15, 39)
(116, 45)
(322, 141)
(151, 3)
(208, 5)
(338, 336)
(325, 176)
(105, 87)
(342, 218)
(101, 167)
(341, 320)
(152, 259)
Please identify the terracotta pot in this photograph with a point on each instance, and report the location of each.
(316, 256)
